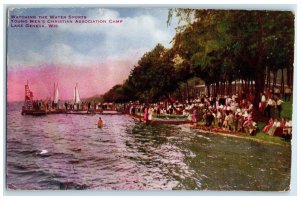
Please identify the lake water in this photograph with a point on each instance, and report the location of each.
(128, 155)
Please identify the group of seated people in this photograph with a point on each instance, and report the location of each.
(228, 113)
(277, 127)
(237, 121)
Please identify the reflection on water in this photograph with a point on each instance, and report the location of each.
(126, 155)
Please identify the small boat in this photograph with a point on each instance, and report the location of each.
(175, 122)
(79, 112)
(33, 112)
(161, 121)
(114, 112)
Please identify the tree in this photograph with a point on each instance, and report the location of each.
(154, 77)
(225, 45)
(116, 94)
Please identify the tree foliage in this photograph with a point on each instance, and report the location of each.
(227, 45)
(154, 77)
(217, 46)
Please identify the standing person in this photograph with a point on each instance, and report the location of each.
(210, 118)
(287, 93)
(219, 118)
(277, 91)
(66, 105)
(267, 111)
(279, 106)
(263, 102)
(150, 113)
(146, 114)
(226, 121)
(274, 111)
(231, 121)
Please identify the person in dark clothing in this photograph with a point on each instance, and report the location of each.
(209, 119)
(287, 94)
(222, 101)
(202, 100)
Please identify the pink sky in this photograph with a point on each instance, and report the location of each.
(92, 80)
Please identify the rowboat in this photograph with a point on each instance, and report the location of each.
(33, 112)
(161, 121)
(80, 112)
(114, 112)
(175, 122)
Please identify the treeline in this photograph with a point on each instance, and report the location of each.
(218, 47)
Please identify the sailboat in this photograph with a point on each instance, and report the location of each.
(76, 95)
(76, 103)
(55, 107)
(28, 108)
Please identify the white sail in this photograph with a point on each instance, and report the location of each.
(76, 95)
(56, 95)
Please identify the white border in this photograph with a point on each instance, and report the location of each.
(246, 4)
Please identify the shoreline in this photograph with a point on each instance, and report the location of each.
(225, 133)
(233, 135)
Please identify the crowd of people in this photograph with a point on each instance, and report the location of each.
(271, 106)
(233, 113)
(228, 113)
(281, 128)
(49, 105)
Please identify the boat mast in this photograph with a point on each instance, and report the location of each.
(56, 94)
(53, 91)
(28, 98)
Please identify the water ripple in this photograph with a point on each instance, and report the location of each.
(128, 155)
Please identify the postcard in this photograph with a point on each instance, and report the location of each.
(149, 99)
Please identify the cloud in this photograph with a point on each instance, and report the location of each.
(86, 44)
(63, 54)
(97, 56)
(57, 53)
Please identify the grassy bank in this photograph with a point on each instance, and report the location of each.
(259, 137)
(287, 108)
